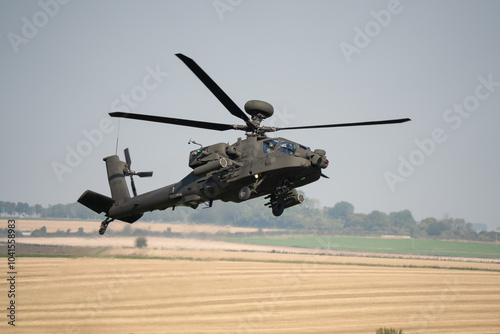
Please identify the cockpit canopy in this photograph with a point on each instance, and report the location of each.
(282, 145)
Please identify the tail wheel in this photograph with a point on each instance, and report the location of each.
(104, 225)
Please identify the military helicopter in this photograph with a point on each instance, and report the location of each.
(252, 167)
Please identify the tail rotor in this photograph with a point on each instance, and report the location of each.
(131, 173)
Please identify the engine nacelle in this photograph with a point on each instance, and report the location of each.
(319, 159)
(210, 166)
(207, 154)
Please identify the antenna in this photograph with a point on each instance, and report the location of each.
(194, 142)
(117, 137)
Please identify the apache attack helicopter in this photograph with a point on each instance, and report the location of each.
(252, 167)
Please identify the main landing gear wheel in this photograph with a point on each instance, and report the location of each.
(244, 193)
(104, 225)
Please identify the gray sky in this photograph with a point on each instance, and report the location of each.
(64, 66)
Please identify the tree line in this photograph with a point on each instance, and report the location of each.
(73, 211)
(341, 219)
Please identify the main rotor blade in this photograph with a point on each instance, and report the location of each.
(177, 121)
(214, 88)
(144, 174)
(389, 121)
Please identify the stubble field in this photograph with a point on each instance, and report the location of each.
(206, 286)
(93, 226)
(275, 293)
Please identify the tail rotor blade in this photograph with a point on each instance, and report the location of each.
(133, 185)
(127, 157)
(131, 173)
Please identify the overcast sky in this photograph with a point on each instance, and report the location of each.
(65, 65)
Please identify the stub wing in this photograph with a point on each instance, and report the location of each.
(96, 202)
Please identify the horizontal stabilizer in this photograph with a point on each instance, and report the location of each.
(96, 202)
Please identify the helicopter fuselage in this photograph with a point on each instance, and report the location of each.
(261, 166)
(252, 167)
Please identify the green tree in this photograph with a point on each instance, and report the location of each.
(22, 208)
(141, 242)
(377, 221)
(427, 221)
(403, 222)
(436, 228)
(356, 220)
(458, 225)
(41, 232)
(9, 208)
(341, 210)
(38, 209)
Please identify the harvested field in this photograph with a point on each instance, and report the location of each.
(110, 295)
(92, 226)
(210, 249)
(178, 285)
